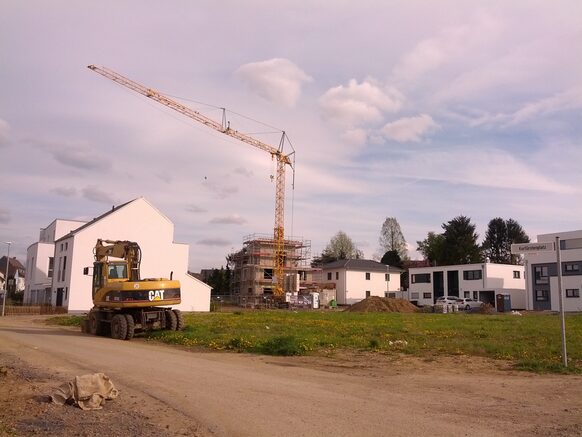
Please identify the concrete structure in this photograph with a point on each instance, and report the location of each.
(482, 282)
(254, 266)
(542, 279)
(60, 281)
(357, 279)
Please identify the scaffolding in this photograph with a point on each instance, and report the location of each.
(254, 265)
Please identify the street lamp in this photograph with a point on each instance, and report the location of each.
(6, 277)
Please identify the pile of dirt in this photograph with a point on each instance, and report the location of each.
(375, 304)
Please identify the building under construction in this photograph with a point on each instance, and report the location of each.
(254, 266)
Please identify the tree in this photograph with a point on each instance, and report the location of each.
(339, 247)
(501, 234)
(391, 238)
(392, 258)
(460, 242)
(432, 248)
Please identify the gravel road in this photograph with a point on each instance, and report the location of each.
(225, 394)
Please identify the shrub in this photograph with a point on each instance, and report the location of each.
(282, 345)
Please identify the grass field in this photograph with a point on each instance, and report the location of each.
(530, 342)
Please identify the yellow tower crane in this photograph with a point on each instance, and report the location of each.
(224, 127)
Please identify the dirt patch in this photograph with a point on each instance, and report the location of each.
(375, 304)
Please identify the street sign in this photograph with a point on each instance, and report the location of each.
(516, 249)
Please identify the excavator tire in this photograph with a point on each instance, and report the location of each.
(179, 320)
(130, 326)
(171, 320)
(119, 327)
(94, 323)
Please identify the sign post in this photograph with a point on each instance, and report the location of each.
(548, 247)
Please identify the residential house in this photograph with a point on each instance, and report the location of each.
(72, 250)
(542, 280)
(358, 279)
(483, 281)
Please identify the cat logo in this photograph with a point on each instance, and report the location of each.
(156, 295)
(135, 286)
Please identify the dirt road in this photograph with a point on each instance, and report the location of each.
(168, 391)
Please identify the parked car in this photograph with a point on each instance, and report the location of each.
(468, 304)
(448, 300)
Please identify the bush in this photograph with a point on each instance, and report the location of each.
(282, 345)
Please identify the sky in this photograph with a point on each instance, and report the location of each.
(417, 110)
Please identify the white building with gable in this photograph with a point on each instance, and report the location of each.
(65, 247)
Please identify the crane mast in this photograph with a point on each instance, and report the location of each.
(224, 127)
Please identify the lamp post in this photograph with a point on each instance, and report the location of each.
(6, 277)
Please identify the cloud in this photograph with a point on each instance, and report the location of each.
(356, 137)
(5, 216)
(243, 171)
(4, 133)
(410, 128)
(65, 192)
(276, 80)
(195, 209)
(77, 156)
(219, 190)
(96, 195)
(233, 219)
(214, 242)
(359, 103)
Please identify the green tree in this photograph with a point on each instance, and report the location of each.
(392, 238)
(432, 248)
(501, 234)
(460, 242)
(392, 258)
(339, 247)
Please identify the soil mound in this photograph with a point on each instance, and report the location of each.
(375, 304)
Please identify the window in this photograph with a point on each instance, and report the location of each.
(475, 295)
(466, 293)
(421, 278)
(64, 267)
(387, 277)
(571, 267)
(414, 295)
(66, 248)
(572, 292)
(516, 274)
(61, 247)
(427, 295)
(392, 295)
(541, 274)
(367, 293)
(268, 274)
(329, 276)
(472, 275)
(337, 276)
(51, 267)
(367, 276)
(542, 295)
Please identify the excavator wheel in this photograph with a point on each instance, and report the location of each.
(119, 327)
(171, 320)
(130, 326)
(94, 323)
(179, 320)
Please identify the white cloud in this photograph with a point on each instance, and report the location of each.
(276, 80)
(359, 103)
(410, 128)
(97, 195)
(195, 209)
(77, 156)
(214, 242)
(356, 137)
(220, 190)
(4, 133)
(64, 191)
(233, 219)
(570, 99)
(243, 172)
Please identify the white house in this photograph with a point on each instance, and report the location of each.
(72, 250)
(482, 282)
(542, 280)
(357, 279)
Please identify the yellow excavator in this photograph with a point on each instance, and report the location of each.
(123, 302)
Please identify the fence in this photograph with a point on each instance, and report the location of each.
(31, 310)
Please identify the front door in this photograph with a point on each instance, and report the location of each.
(60, 292)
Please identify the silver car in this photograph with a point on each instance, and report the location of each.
(468, 304)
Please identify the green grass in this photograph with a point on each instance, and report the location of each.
(532, 342)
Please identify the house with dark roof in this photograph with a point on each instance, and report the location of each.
(358, 279)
